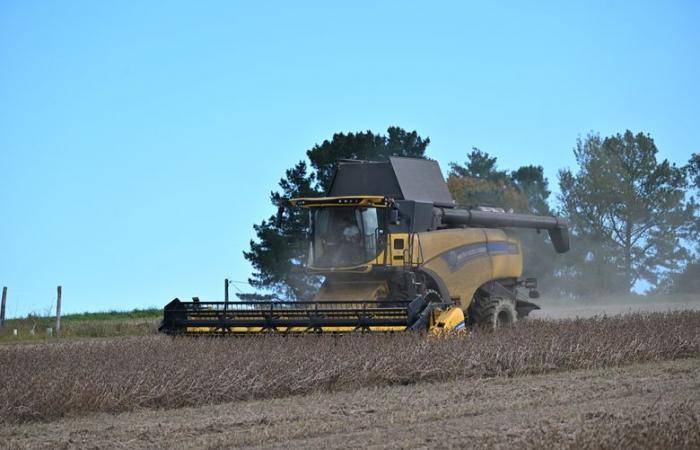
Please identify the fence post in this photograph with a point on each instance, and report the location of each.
(2, 306)
(226, 284)
(58, 311)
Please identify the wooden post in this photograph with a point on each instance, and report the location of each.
(58, 311)
(2, 306)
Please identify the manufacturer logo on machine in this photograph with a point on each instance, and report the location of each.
(459, 256)
(503, 248)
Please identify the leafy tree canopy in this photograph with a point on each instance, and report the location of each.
(479, 181)
(627, 207)
(365, 146)
(694, 169)
(479, 164)
(280, 249)
(532, 182)
(629, 213)
(688, 280)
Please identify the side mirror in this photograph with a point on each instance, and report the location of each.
(394, 216)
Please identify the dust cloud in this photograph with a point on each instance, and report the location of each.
(555, 308)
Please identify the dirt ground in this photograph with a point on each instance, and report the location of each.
(533, 411)
(560, 309)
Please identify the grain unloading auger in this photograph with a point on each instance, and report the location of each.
(395, 254)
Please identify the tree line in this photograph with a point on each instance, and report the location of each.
(633, 217)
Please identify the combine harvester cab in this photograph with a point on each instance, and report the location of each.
(395, 254)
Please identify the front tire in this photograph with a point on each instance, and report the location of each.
(492, 313)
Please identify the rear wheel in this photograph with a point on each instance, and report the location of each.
(492, 312)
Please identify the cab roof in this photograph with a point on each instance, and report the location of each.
(399, 178)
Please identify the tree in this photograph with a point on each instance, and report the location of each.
(525, 190)
(365, 146)
(470, 191)
(626, 209)
(479, 182)
(532, 182)
(694, 170)
(280, 249)
(688, 280)
(479, 164)
(539, 259)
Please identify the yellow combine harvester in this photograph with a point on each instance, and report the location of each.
(396, 254)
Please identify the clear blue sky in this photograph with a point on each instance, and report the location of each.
(139, 141)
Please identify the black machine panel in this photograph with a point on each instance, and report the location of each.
(414, 179)
(422, 181)
(365, 178)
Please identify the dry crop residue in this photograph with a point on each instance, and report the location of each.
(597, 379)
(654, 405)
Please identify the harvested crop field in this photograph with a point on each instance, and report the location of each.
(654, 405)
(541, 384)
